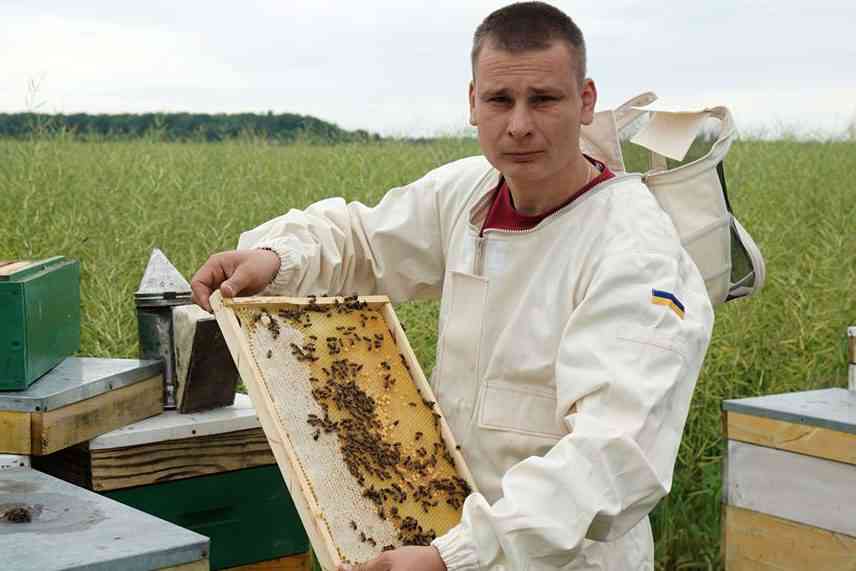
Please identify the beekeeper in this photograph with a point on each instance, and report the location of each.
(572, 324)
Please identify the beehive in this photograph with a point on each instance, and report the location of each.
(366, 453)
(788, 473)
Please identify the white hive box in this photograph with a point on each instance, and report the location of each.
(789, 482)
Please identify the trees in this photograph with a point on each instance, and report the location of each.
(281, 127)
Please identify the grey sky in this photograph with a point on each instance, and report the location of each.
(402, 67)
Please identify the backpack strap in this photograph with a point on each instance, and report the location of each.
(601, 139)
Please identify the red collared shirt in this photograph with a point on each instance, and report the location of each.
(503, 216)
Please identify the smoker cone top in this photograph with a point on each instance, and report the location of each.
(162, 284)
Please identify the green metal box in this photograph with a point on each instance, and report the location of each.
(39, 318)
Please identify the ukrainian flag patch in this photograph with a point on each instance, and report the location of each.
(670, 300)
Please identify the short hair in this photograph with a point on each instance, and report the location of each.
(528, 26)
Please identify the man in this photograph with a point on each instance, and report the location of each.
(572, 326)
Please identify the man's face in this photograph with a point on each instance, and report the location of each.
(528, 108)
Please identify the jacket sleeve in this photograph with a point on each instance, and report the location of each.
(337, 248)
(625, 371)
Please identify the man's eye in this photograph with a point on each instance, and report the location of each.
(540, 99)
(499, 99)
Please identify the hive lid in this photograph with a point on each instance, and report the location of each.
(827, 408)
(16, 270)
(174, 426)
(162, 284)
(72, 528)
(77, 379)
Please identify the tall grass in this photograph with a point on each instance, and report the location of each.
(108, 203)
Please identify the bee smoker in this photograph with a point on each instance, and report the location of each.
(161, 288)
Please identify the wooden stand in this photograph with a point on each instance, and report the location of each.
(78, 400)
(788, 482)
(211, 472)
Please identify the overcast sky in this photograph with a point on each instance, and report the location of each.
(401, 67)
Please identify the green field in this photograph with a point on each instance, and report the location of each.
(107, 204)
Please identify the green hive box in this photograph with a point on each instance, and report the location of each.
(39, 318)
(248, 514)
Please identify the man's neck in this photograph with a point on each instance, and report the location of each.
(532, 198)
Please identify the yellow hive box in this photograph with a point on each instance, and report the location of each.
(365, 452)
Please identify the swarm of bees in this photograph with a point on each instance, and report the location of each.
(391, 474)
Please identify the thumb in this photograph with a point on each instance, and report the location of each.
(236, 282)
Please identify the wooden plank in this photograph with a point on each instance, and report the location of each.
(79, 422)
(15, 436)
(755, 541)
(804, 489)
(291, 563)
(118, 468)
(799, 438)
(373, 301)
(200, 565)
(307, 508)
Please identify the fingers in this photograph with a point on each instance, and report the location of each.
(208, 278)
(236, 282)
(236, 272)
(201, 295)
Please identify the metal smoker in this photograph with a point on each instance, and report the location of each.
(161, 289)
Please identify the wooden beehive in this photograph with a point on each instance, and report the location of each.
(210, 472)
(365, 452)
(79, 399)
(788, 481)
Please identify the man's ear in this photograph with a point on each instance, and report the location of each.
(588, 95)
(472, 98)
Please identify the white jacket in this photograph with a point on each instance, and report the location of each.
(566, 385)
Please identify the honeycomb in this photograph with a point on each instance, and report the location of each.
(367, 441)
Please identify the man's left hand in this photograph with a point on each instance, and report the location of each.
(410, 558)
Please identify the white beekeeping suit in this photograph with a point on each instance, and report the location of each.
(566, 358)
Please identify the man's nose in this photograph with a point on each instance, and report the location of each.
(520, 122)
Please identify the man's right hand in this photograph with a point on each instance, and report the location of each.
(234, 272)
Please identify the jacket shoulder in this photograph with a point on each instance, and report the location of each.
(634, 220)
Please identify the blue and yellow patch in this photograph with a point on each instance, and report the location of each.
(668, 299)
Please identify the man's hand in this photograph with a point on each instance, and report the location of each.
(402, 559)
(234, 272)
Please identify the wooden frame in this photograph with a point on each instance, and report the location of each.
(284, 452)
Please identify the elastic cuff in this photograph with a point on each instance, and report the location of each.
(281, 281)
(457, 549)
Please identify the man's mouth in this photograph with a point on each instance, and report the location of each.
(523, 156)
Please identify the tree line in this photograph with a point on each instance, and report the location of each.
(279, 127)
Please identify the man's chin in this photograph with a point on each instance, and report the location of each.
(522, 170)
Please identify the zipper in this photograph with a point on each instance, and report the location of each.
(478, 257)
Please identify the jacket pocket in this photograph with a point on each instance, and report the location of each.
(522, 410)
(513, 424)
